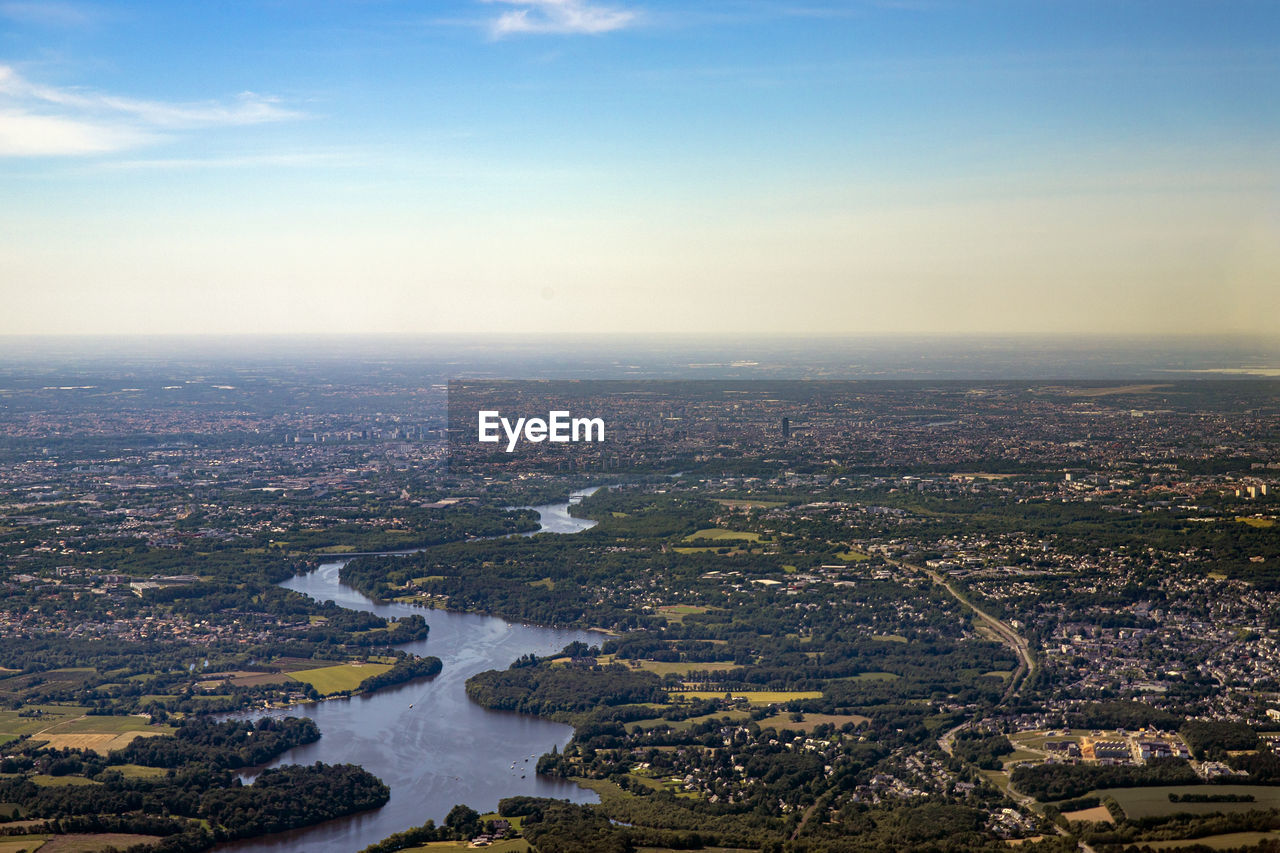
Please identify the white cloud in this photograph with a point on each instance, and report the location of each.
(560, 17)
(37, 120)
(28, 135)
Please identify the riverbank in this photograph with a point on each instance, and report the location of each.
(425, 739)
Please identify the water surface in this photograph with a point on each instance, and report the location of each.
(426, 740)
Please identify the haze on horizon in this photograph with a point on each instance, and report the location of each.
(640, 166)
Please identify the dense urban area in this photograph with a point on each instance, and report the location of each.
(832, 616)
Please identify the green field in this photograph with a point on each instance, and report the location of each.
(870, 676)
(137, 771)
(810, 721)
(1228, 841)
(682, 609)
(1256, 522)
(853, 556)
(12, 725)
(58, 781)
(36, 684)
(20, 843)
(1154, 802)
(1097, 814)
(650, 782)
(107, 725)
(516, 822)
(685, 725)
(717, 533)
(755, 697)
(662, 667)
(335, 679)
(677, 612)
(745, 504)
(1018, 756)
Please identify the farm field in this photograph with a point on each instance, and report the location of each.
(36, 685)
(66, 727)
(1097, 813)
(1228, 841)
(718, 533)
(104, 725)
(811, 721)
(101, 743)
(260, 679)
(335, 679)
(100, 734)
(12, 725)
(1154, 802)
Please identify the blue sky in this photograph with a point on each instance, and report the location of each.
(573, 165)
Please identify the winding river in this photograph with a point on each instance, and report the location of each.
(432, 745)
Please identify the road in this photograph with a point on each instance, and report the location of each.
(1026, 667)
(1008, 636)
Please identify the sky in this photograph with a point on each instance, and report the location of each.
(749, 167)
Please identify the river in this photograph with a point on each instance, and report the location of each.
(432, 745)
